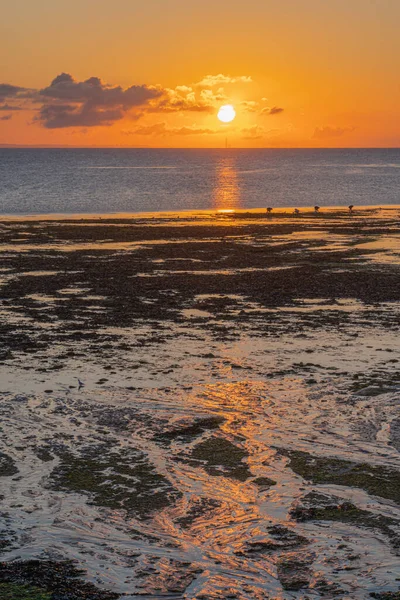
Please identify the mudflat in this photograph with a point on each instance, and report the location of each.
(200, 406)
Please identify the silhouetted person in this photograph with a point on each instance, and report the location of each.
(351, 207)
(269, 209)
(316, 208)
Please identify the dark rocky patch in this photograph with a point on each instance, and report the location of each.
(264, 482)
(294, 571)
(114, 478)
(7, 466)
(166, 577)
(244, 251)
(279, 538)
(395, 434)
(386, 595)
(199, 507)
(12, 591)
(378, 480)
(48, 580)
(325, 507)
(220, 458)
(186, 432)
(44, 454)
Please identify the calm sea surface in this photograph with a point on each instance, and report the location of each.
(40, 181)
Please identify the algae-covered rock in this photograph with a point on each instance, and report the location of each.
(221, 458)
(326, 507)
(278, 537)
(187, 431)
(116, 478)
(7, 466)
(294, 571)
(264, 482)
(378, 480)
(47, 580)
(12, 591)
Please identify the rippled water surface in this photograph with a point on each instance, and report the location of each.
(141, 180)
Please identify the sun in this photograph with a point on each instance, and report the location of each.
(226, 113)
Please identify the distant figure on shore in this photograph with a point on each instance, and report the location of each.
(296, 212)
(316, 208)
(351, 207)
(269, 209)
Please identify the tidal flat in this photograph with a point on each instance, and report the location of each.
(200, 406)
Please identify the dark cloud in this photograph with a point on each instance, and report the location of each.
(275, 110)
(11, 91)
(6, 118)
(89, 103)
(94, 92)
(58, 116)
(328, 132)
(9, 107)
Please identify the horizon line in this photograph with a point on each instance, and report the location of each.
(60, 147)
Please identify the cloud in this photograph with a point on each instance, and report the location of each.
(253, 133)
(6, 118)
(328, 132)
(213, 80)
(161, 129)
(256, 132)
(210, 97)
(58, 116)
(184, 99)
(275, 110)
(69, 103)
(11, 91)
(89, 103)
(249, 105)
(9, 107)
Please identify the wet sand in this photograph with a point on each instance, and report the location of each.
(201, 406)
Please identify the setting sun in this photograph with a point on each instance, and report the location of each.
(226, 113)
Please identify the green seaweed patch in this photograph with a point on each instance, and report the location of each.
(12, 591)
(324, 507)
(47, 580)
(7, 466)
(221, 458)
(377, 480)
(116, 479)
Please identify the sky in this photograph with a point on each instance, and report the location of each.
(299, 73)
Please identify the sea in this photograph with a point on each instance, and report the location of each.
(91, 181)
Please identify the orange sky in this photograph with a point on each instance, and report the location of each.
(300, 73)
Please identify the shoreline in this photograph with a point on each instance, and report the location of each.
(190, 213)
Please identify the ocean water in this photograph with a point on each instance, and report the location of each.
(41, 181)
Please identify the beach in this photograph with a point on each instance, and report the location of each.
(201, 405)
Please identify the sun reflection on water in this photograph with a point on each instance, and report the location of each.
(226, 193)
